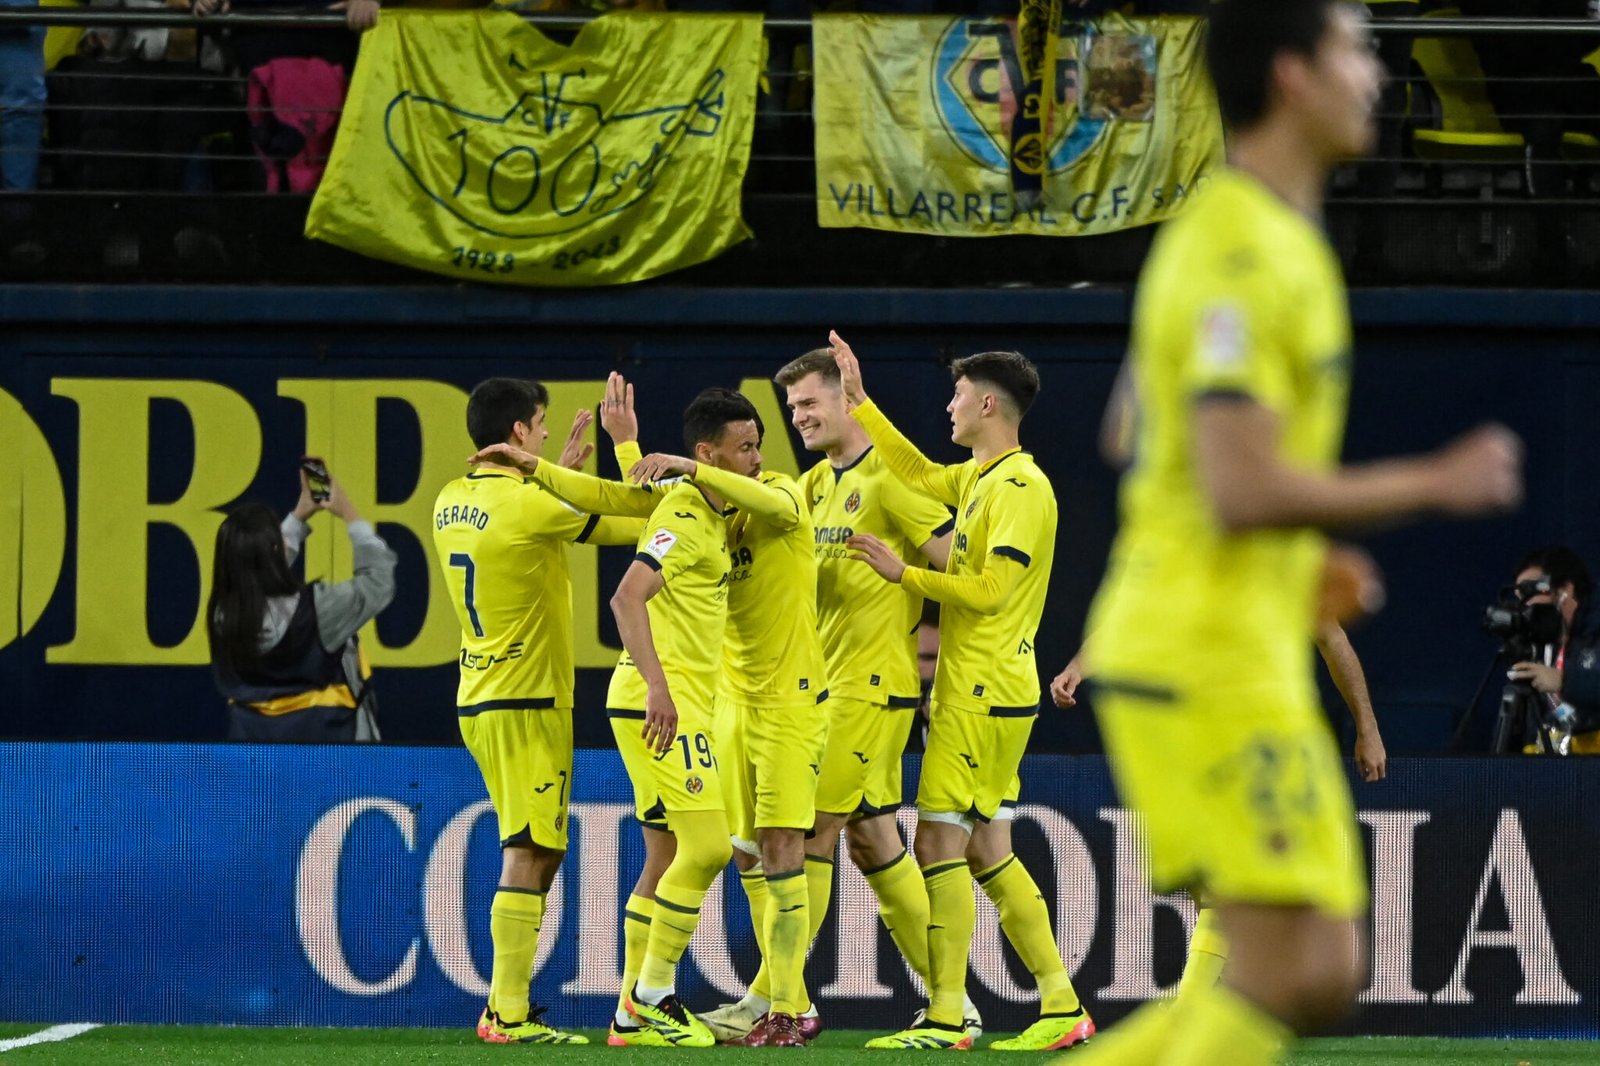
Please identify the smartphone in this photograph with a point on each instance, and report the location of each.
(317, 477)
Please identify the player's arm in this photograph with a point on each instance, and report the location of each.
(988, 591)
(584, 492)
(1351, 680)
(775, 504)
(1251, 486)
(941, 482)
(642, 581)
(596, 495)
(1020, 515)
(628, 530)
(1240, 373)
(1118, 425)
(922, 520)
(1064, 686)
(609, 529)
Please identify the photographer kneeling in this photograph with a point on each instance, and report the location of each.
(1556, 580)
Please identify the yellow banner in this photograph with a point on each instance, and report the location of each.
(915, 117)
(474, 146)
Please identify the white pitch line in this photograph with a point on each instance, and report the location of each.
(50, 1035)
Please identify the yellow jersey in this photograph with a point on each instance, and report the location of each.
(501, 543)
(773, 653)
(992, 594)
(1242, 296)
(869, 628)
(685, 540)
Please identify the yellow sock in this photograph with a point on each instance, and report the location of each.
(819, 891)
(1026, 922)
(754, 883)
(1208, 951)
(952, 913)
(514, 919)
(703, 850)
(786, 940)
(903, 905)
(635, 938)
(819, 894)
(1219, 1025)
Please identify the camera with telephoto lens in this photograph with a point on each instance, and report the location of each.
(1519, 625)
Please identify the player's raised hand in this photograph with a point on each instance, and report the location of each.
(1479, 471)
(658, 465)
(506, 455)
(849, 368)
(878, 555)
(660, 719)
(576, 452)
(616, 410)
(1064, 686)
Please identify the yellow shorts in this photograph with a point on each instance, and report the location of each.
(1243, 799)
(1008, 805)
(772, 756)
(685, 777)
(971, 762)
(525, 757)
(861, 763)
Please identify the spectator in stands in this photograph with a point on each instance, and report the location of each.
(256, 46)
(297, 84)
(285, 653)
(22, 97)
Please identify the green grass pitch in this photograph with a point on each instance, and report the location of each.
(217, 1046)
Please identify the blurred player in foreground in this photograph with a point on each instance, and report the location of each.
(1201, 630)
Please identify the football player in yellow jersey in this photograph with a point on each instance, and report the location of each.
(501, 544)
(867, 635)
(770, 727)
(671, 612)
(1201, 630)
(986, 685)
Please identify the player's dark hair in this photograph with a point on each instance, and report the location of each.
(709, 413)
(248, 568)
(500, 403)
(1563, 566)
(816, 361)
(1244, 38)
(1011, 373)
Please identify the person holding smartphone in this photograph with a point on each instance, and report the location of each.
(285, 652)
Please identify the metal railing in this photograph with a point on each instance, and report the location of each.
(1423, 169)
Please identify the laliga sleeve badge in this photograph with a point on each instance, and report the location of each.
(1223, 337)
(660, 543)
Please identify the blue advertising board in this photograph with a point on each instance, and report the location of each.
(350, 886)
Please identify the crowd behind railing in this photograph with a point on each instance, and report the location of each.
(210, 104)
